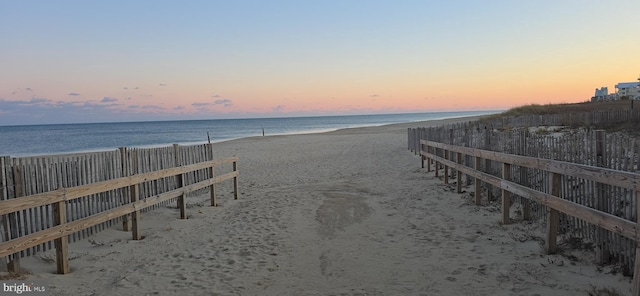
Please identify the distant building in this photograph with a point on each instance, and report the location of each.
(628, 89)
(601, 94)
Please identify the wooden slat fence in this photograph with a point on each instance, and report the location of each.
(573, 138)
(558, 174)
(32, 175)
(582, 146)
(92, 191)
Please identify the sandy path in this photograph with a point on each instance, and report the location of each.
(342, 213)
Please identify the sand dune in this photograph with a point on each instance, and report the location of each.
(342, 213)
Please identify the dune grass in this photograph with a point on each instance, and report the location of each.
(550, 109)
(535, 109)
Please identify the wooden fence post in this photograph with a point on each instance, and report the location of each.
(459, 173)
(428, 150)
(134, 193)
(478, 185)
(525, 203)
(487, 164)
(553, 216)
(602, 252)
(422, 156)
(524, 178)
(467, 143)
(6, 235)
(416, 138)
(62, 244)
(180, 181)
(636, 269)
(436, 164)
(429, 159)
(126, 194)
(446, 168)
(212, 175)
(506, 195)
(450, 155)
(413, 140)
(235, 180)
(14, 223)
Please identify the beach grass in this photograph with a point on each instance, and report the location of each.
(548, 109)
(551, 109)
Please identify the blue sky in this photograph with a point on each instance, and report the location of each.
(88, 61)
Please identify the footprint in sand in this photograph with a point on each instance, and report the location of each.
(340, 210)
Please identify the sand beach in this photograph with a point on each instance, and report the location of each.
(348, 212)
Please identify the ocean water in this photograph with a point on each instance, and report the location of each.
(27, 140)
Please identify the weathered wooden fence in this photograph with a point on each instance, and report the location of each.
(64, 198)
(557, 176)
(547, 137)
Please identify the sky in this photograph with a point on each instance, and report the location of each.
(103, 61)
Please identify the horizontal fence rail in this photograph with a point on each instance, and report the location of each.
(450, 156)
(32, 220)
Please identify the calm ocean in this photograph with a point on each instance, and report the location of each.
(29, 140)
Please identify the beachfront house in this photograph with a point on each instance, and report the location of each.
(628, 90)
(624, 90)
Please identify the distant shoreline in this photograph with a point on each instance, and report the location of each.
(245, 118)
(41, 140)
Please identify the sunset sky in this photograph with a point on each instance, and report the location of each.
(96, 61)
